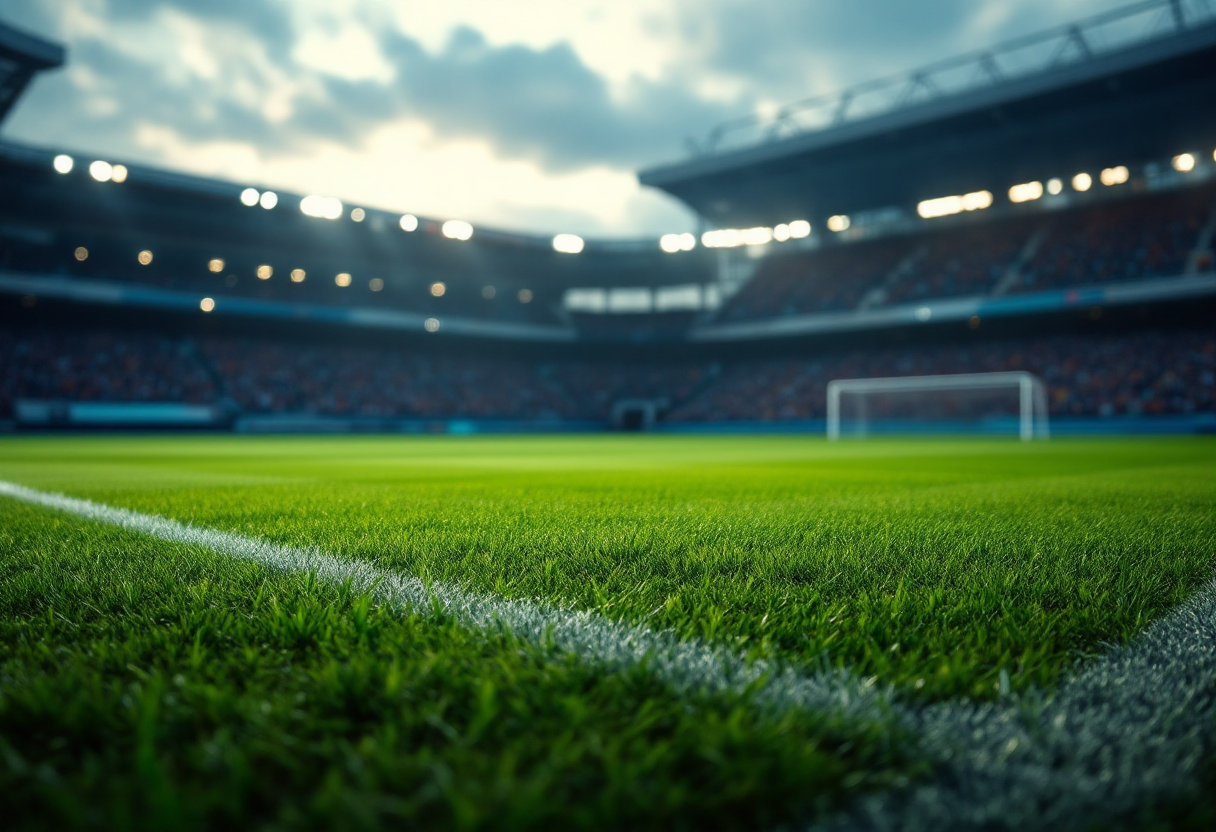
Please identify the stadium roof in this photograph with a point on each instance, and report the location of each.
(1130, 85)
(21, 55)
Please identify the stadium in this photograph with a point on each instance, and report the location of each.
(885, 500)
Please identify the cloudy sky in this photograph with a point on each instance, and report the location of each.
(524, 114)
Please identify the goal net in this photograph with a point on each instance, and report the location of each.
(990, 403)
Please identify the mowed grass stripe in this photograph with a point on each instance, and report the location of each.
(942, 568)
(157, 685)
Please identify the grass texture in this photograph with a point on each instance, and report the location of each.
(145, 684)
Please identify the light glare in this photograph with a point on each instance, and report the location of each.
(1114, 176)
(144, 258)
(81, 253)
(63, 163)
(568, 243)
(249, 197)
(437, 290)
(801, 228)
(1054, 186)
(297, 275)
(357, 214)
(457, 230)
(1082, 182)
(342, 279)
(431, 324)
(408, 222)
(118, 173)
(265, 272)
(375, 284)
(946, 205)
(838, 223)
(1026, 192)
(101, 171)
(1184, 162)
(215, 265)
(206, 304)
(269, 200)
(322, 207)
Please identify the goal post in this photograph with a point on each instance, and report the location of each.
(1021, 395)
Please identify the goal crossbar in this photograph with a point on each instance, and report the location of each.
(1032, 395)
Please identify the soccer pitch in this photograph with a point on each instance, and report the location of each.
(607, 632)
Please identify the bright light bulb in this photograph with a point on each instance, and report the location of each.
(63, 163)
(269, 200)
(568, 243)
(408, 222)
(1082, 182)
(101, 171)
(1184, 162)
(118, 173)
(206, 304)
(457, 230)
(249, 197)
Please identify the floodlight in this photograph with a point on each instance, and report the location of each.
(1184, 162)
(101, 171)
(1082, 182)
(438, 289)
(265, 272)
(457, 230)
(144, 258)
(297, 275)
(568, 243)
(357, 214)
(801, 228)
(431, 324)
(342, 279)
(1026, 192)
(206, 304)
(408, 222)
(1054, 186)
(838, 223)
(63, 163)
(269, 200)
(249, 197)
(215, 265)
(118, 173)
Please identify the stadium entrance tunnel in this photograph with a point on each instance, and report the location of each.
(635, 414)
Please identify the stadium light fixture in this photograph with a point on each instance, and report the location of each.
(735, 237)
(375, 284)
(838, 223)
(144, 258)
(457, 230)
(408, 222)
(101, 171)
(249, 197)
(525, 295)
(1055, 186)
(215, 265)
(781, 232)
(268, 200)
(1184, 163)
(1082, 182)
(265, 272)
(1026, 192)
(672, 243)
(342, 279)
(81, 253)
(944, 206)
(1113, 176)
(63, 163)
(800, 229)
(118, 173)
(357, 214)
(206, 304)
(568, 243)
(438, 289)
(297, 275)
(323, 207)
(431, 324)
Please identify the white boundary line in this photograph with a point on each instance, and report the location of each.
(1128, 734)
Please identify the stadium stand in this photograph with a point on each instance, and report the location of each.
(1095, 376)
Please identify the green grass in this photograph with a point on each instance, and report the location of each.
(141, 680)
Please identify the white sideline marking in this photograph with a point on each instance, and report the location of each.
(1129, 733)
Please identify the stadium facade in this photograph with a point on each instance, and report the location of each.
(1047, 205)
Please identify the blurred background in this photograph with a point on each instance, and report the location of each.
(666, 216)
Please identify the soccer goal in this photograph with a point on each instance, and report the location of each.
(963, 403)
